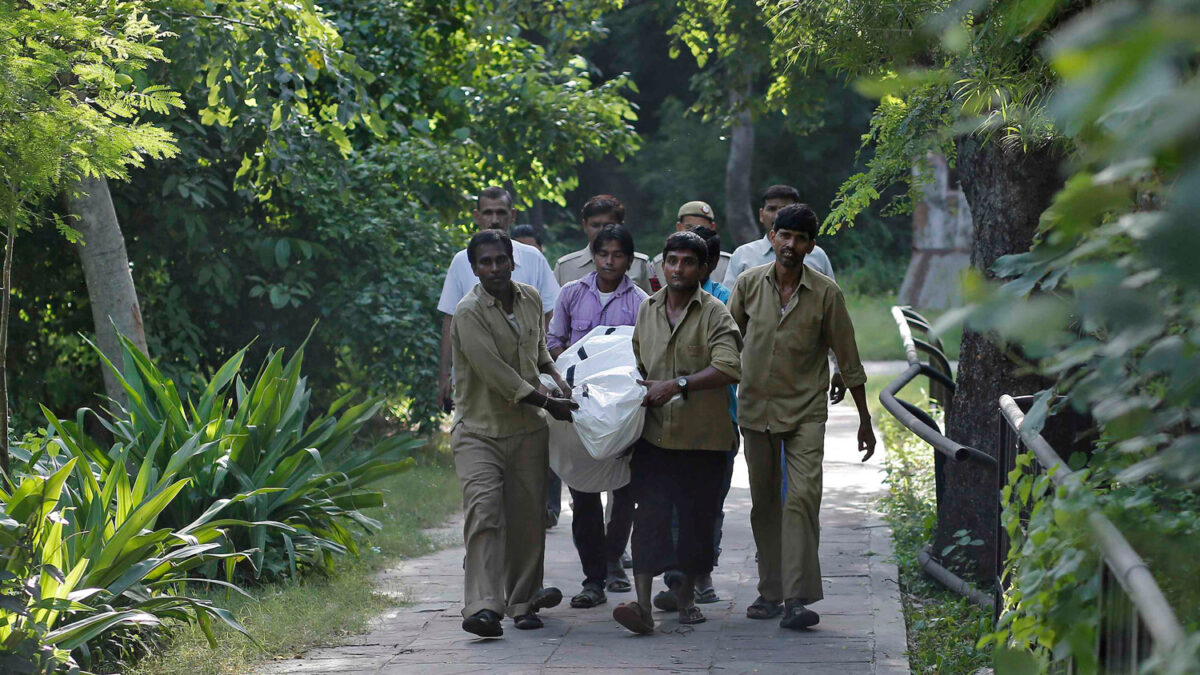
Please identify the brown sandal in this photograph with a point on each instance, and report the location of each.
(634, 617)
(690, 616)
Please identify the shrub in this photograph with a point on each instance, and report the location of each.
(290, 489)
(84, 563)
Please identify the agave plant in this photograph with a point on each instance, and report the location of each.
(299, 485)
(83, 559)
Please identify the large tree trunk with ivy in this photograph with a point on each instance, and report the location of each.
(106, 271)
(1007, 192)
(740, 224)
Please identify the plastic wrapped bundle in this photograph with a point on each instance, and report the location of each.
(591, 454)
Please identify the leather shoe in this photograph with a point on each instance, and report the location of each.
(484, 623)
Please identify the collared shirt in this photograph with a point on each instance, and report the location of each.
(760, 252)
(531, 268)
(704, 336)
(658, 279)
(577, 265)
(580, 309)
(718, 291)
(497, 365)
(785, 372)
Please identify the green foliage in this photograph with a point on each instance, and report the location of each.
(1051, 607)
(85, 568)
(290, 484)
(289, 619)
(940, 69)
(1112, 263)
(69, 103)
(942, 627)
(326, 180)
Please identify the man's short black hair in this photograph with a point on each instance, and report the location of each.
(525, 231)
(616, 233)
(485, 237)
(799, 217)
(780, 192)
(601, 204)
(687, 241)
(494, 192)
(711, 239)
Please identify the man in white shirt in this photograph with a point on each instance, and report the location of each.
(493, 211)
(759, 251)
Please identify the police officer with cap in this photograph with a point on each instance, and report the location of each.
(690, 215)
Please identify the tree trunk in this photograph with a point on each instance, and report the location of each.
(4, 308)
(106, 270)
(1007, 193)
(741, 226)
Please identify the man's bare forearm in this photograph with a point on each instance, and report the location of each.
(859, 393)
(445, 356)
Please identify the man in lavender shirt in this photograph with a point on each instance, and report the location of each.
(606, 297)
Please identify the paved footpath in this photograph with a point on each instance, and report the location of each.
(861, 629)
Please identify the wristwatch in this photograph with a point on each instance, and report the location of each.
(682, 382)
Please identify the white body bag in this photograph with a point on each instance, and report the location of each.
(590, 455)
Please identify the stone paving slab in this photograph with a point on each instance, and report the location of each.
(861, 629)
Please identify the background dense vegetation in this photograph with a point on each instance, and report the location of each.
(259, 230)
(283, 174)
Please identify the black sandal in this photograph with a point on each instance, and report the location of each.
(762, 609)
(690, 616)
(484, 623)
(589, 597)
(706, 596)
(545, 599)
(528, 621)
(617, 582)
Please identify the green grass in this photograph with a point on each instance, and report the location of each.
(289, 618)
(943, 628)
(876, 333)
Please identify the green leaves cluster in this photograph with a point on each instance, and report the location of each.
(939, 69)
(291, 483)
(239, 482)
(1050, 611)
(73, 95)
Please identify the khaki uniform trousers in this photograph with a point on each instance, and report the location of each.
(787, 531)
(504, 500)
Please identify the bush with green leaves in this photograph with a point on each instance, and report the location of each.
(87, 568)
(291, 488)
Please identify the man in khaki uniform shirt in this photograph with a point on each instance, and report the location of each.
(690, 215)
(790, 316)
(499, 439)
(687, 348)
(599, 211)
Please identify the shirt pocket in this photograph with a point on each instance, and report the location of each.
(691, 358)
(580, 327)
(803, 333)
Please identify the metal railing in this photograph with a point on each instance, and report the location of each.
(921, 423)
(1135, 618)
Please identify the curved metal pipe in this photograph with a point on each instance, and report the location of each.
(1120, 557)
(902, 411)
(952, 581)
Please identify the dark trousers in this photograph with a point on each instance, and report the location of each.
(553, 494)
(598, 546)
(672, 575)
(687, 482)
(731, 457)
